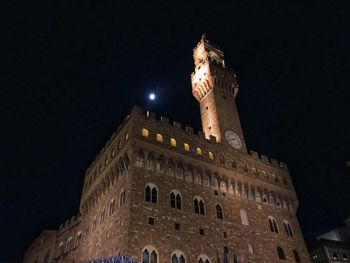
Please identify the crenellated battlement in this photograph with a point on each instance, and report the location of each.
(69, 223)
(148, 115)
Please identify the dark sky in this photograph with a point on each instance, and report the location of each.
(70, 73)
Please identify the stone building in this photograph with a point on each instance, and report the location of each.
(159, 192)
(333, 246)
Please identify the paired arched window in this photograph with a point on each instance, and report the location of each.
(122, 198)
(219, 211)
(198, 205)
(178, 257)
(288, 228)
(149, 255)
(244, 217)
(203, 259)
(175, 200)
(151, 193)
(280, 253)
(296, 256)
(273, 224)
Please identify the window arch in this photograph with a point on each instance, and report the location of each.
(244, 217)
(199, 151)
(175, 199)
(221, 158)
(151, 193)
(288, 228)
(68, 245)
(280, 253)
(296, 256)
(203, 259)
(59, 249)
(77, 239)
(210, 156)
(178, 257)
(199, 207)
(122, 197)
(219, 212)
(149, 255)
(273, 224)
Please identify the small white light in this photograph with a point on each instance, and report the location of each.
(152, 96)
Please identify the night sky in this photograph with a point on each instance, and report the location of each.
(70, 73)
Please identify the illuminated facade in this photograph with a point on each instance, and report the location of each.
(158, 192)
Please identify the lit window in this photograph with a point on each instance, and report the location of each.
(186, 147)
(199, 151)
(144, 132)
(173, 142)
(159, 137)
(210, 156)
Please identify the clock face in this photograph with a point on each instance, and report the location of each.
(233, 139)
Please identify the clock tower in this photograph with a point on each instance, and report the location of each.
(215, 87)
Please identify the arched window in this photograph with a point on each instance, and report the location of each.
(122, 197)
(111, 207)
(273, 224)
(244, 217)
(179, 172)
(210, 156)
(59, 249)
(149, 255)
(219, 212)
(296, 256)
(288, 228)
(280, 253)
(175, 199)
(159, 137)
(222, 159)
(151, 193)
(140, 159)
(199, 151)
(77, 239)
(144, 132)
(178, 257)
(199, 205)
(173, 142)
(68, 245)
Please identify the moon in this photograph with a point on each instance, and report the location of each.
(152, 96)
